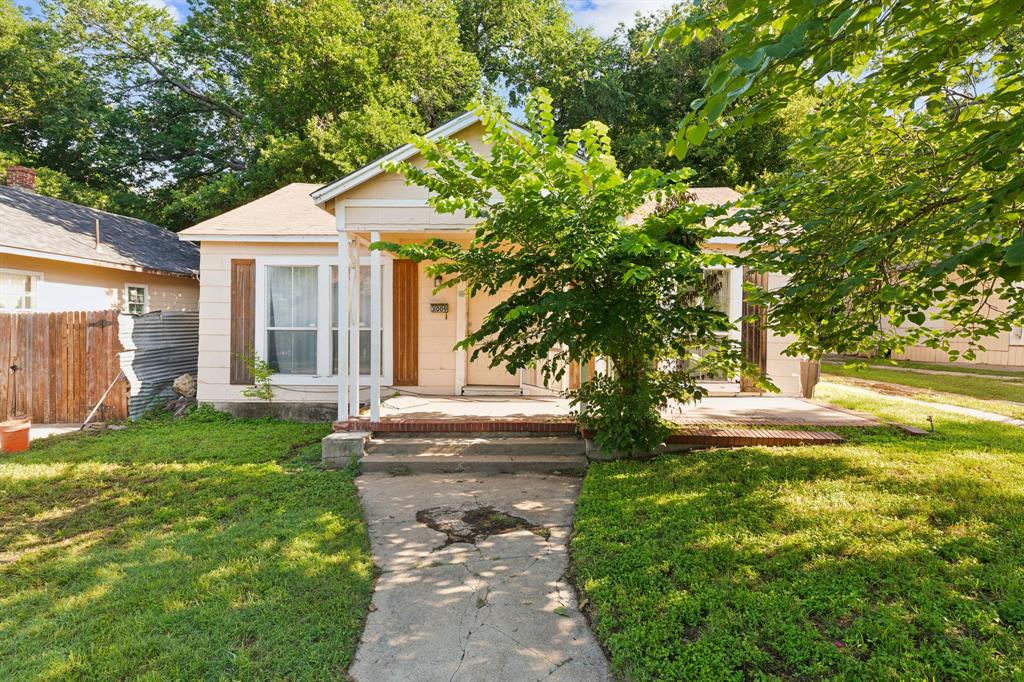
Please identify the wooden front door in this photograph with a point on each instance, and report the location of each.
(479, 372)
(405, 321)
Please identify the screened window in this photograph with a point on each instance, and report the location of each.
(136, 299)
(291, 318)
(17, 290)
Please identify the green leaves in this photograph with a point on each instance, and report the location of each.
(598, 263)
(1015, 252)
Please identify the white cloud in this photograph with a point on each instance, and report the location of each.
(171, 8)
(605, 15)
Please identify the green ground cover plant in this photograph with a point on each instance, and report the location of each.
(206, 548)
(888, 557)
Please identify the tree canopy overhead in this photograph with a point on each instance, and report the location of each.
(180, 120)
(903, 206)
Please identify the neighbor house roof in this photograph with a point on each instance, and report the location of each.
(44, 227)
(709, 196)
(286, 212)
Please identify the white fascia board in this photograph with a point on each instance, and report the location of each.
(403, 153)
(316, 239)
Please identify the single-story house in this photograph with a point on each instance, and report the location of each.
(56, 256)
(279, 273)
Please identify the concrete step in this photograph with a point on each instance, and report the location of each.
(479, 455)
(482, 390)
(446, 463)
(493, 445)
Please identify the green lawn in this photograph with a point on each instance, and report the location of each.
(180, 550)
(960, 368)
(890, 557)
(968, 390)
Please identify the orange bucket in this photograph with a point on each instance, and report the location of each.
(14, 435)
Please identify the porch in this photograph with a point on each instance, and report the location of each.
(542, 414)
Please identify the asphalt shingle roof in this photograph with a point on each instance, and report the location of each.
(50, 226)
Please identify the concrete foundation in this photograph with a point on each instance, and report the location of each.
(299, 412)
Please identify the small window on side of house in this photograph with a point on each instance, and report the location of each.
(1017, 336)
(18, 290)
(136, 299)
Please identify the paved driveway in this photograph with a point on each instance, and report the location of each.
(450, 606)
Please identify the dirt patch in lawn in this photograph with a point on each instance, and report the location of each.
(470, 525)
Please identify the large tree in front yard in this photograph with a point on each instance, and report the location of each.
(586, 282)
(905, 196)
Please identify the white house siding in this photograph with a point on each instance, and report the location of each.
(215, 320)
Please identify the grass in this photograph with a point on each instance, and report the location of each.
(960, 368)
(206, 548)
(889, 557)
(979, 392)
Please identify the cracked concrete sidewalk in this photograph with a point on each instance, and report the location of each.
(497, 610)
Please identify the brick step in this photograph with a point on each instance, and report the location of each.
(749, 436)
(547, 427)
(499, 446)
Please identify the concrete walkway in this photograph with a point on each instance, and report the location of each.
(497, 609)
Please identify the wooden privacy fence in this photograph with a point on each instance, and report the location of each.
(65, 362)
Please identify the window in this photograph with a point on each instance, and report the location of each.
(18, 290)
(136, 299)
(1017, 336)
(297, 315)
(292, 319)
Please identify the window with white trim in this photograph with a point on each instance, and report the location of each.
(18, 289)
(136, 299)
(297, 317)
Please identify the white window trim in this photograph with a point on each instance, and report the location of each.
(36, 277)
(1017, 336)
(145, 295)
(324, 375)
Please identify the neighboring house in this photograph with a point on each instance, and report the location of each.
(1006, 349)
(55, 255)
(270, 273)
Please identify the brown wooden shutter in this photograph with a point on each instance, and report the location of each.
(754, 332)
(243, 318)
(405, 295)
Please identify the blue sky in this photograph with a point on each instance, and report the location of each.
(601, 15)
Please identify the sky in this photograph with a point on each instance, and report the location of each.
(601, 15)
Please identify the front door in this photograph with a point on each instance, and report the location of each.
(479, 373)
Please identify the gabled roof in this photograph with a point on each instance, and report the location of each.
(707, 196)
(403, 153)
(44, 227)
(285, 212)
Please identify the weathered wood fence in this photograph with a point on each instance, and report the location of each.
(65, 362)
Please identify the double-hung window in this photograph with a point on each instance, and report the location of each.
(136, 299)
(297, 318)
(18, 289)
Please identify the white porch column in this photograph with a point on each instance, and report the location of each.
(343, 313)
(375, 329)
(353, 361)
(460, 333)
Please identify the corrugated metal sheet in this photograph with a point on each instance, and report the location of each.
(158, 348)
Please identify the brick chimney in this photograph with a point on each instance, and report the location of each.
(22, 178)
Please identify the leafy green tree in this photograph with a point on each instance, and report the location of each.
(586, 283)
(904, 203)
(641, 95)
